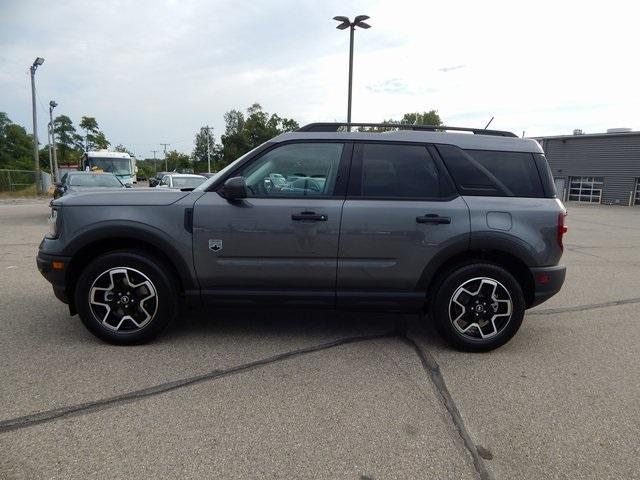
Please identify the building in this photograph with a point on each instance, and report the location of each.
(596, 168)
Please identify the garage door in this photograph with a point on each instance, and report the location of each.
(586, 189)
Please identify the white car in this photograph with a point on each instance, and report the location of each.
(180, 180)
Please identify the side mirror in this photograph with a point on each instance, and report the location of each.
(235, 188)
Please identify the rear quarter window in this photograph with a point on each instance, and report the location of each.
(517, 171)
(493, 173)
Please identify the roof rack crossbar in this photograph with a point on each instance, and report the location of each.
(336, 126)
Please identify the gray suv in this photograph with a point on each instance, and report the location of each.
(462, 223)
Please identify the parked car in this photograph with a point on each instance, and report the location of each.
(465, 227)
(77, 182)
(155, 180)
(180, 180)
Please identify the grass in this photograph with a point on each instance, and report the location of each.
(29, 191)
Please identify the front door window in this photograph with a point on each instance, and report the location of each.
(297, 170)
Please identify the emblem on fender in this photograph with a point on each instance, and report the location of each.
(215, 245)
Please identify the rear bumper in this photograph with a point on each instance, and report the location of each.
(55, 276)
(547, 281)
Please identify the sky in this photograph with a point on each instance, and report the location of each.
(154, 72)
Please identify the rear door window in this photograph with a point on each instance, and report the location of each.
(399, 171)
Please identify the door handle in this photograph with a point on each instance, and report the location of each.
(309, 217)
(433, 218)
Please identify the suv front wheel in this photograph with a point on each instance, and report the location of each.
(125, 297)
(478, 307)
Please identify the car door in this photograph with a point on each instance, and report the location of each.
(281, 242)
(401, 211)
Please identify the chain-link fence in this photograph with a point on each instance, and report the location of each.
(22, 182)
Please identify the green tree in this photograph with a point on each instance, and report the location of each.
(243, 133)
(178, 161)
(199, 154)
(425, 118)
(415, 118)
(16, 146)
(121, 148)
(68, 142)
(146, 168)
(94, 138)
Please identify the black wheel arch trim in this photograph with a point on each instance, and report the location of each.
(472, 244)
(504, 242)
(129, 230)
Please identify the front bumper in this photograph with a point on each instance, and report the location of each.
(55, 276)
(547, 281)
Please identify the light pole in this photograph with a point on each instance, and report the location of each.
(345, 23)
(54, 171)
(36, 160)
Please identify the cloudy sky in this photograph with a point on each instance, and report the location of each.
(154, 72)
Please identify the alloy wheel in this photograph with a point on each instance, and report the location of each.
(480, 308)
(123, 299)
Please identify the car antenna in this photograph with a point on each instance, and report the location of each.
(487, 125)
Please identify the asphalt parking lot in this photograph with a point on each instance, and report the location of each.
(303, 394)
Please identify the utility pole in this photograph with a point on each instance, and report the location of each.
(36, 160)
(54, 171)
(155, 167)
(208, 129)
(165, 145)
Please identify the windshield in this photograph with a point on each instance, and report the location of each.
(119, 166)
(187, 182)
(94, 180)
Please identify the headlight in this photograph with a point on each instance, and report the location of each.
(53, 223)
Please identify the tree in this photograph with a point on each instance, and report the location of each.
(146, 167)
(122, 149)
(67, 139)
(243, 133)
(178, 161)
(16, 145)
(415, 118)
(94, 138)
(199, 154)
(425, 118)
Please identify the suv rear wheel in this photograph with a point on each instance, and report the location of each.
(125, 297)
(478, 307)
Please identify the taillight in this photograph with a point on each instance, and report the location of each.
(562, 228)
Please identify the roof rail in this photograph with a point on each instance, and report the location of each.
(336, 126)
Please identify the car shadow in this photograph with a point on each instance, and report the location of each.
(316, 326)
(272, 322)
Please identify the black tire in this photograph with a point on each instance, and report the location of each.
(137, 269)
(445, 310)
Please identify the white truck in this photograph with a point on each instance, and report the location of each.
(121, 164)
